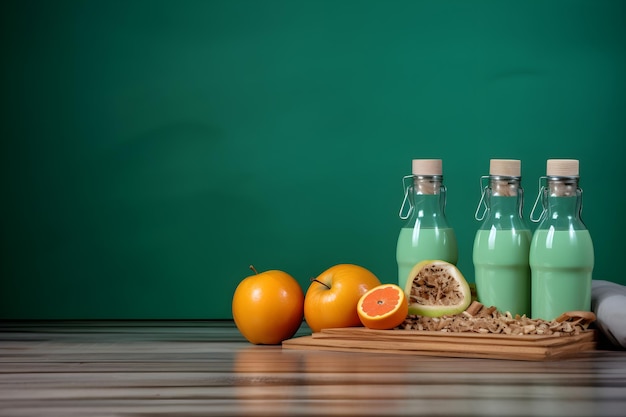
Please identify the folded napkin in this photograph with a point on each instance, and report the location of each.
(608, 302)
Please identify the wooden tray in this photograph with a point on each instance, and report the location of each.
(432, 343)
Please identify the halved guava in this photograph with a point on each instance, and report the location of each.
(437, 288)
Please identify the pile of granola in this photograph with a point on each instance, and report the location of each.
(480, 319)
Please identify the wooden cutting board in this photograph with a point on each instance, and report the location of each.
(433, 343)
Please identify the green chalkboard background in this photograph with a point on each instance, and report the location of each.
(153, 149)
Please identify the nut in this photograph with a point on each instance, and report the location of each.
(480, 319)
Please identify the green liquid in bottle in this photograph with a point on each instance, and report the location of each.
(501, 268)
(562, 264)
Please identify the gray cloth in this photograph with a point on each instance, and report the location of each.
(608, 302)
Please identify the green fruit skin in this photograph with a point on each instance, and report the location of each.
(438, 311)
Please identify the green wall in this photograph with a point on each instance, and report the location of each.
(152, 150)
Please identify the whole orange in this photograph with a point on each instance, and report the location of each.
(332, 297)
(268, 307)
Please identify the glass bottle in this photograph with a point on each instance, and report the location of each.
(502, 243)
(426, 233)
(561, 251)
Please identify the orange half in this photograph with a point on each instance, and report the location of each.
(383, 307)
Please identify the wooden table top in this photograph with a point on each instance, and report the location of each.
(198, 368)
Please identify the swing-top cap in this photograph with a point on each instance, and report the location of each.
(505, 167)
(427, 167)
(562, 168)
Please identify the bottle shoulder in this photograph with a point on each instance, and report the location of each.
(566, 223)
(499, 221)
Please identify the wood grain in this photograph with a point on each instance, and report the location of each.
(431, 343)
(187, 369)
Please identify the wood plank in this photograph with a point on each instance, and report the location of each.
(447, 344)
(434, 336)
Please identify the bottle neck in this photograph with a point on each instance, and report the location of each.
(427, 199)
(562, 186)
(428, 185)
(562, 204)
(503, 201)
(505, 186)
